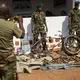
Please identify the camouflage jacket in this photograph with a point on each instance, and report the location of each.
(74, 17)
(38, 19)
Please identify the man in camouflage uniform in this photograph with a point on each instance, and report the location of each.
(7, 30)
(74, 19)
(39, 25)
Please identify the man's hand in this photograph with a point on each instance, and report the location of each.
(20, 19)
(46, 29)
(69, 26)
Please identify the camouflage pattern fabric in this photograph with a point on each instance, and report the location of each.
(39, 25)
(74, 19)
(7, 67)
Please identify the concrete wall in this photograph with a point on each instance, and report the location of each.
(47, 5)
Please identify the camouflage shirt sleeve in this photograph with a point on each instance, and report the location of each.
(16, 31)
(44, 19)
(33, 21)
(33, 18)
(70, 16)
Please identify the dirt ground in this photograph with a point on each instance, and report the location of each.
(70, 74)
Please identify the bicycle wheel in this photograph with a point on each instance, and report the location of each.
(71, 45)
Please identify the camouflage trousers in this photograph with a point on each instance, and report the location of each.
(42, 33)
(7, 67)
(75, 29)
(8, 72)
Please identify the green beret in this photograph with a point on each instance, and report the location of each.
(39, 5)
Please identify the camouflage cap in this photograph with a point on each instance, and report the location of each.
(39, 4)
